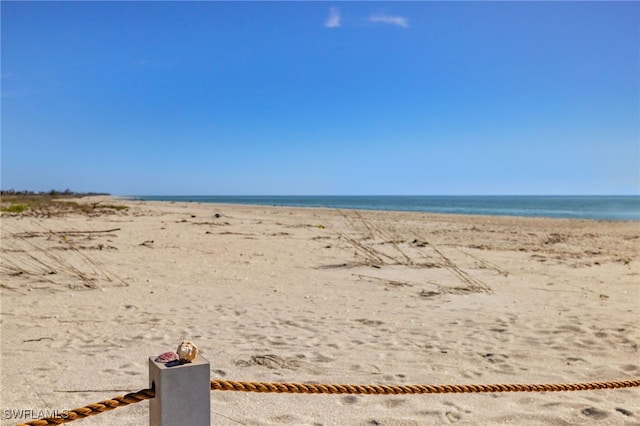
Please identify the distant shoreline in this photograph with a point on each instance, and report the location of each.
(602, 207)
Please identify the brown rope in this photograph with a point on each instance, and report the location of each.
(93, 409)
(412, 389)
(226, 385)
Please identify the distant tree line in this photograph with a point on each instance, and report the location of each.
(66, 193)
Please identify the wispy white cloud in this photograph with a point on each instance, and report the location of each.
(333, 21)
(388, 19)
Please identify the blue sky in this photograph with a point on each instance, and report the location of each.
(268, 98)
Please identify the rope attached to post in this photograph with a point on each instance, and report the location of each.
(301, 388)
(94, 409)
(412, 389)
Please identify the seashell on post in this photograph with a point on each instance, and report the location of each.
(167, 357)
(187, 351)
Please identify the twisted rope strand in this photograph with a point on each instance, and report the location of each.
(269, 387)
(93, 409)
(265, 387)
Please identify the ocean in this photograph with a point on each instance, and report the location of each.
(575, 207)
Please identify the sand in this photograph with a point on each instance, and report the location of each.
(322, 296)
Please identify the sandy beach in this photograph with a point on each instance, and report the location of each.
(322, 296)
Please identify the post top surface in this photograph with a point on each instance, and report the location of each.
(198, 361)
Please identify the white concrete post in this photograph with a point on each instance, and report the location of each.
(183, 393)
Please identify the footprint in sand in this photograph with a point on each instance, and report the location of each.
(285, 419)
(349, 399)
(369, 322)
(322, 358)
(594, 413)
(393, 403)
(495, 358)
(453, 417)
(269, 361)
(625, 412)
(457, 415)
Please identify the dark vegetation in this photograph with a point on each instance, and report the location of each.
(52, 203)
(66, 193)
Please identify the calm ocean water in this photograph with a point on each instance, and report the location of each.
(577, 207)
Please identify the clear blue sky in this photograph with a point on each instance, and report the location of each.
(219, 98)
